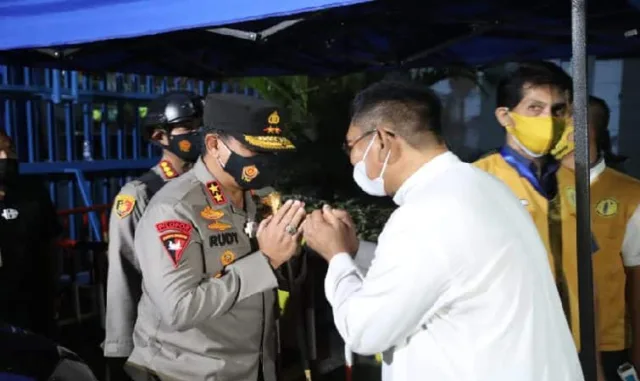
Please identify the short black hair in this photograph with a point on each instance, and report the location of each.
(600, 121)
(414, 111)
(510, 90)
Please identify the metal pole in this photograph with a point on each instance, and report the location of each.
(584, 240)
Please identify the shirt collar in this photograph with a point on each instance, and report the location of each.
(428, 170)
(597, 170)
(201, 172)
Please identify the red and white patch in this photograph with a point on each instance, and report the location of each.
(175, 244)
(175, 237)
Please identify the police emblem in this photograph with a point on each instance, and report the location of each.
(249, 173)
(273, 120)
(174, 236)
(227, 258)
(185, 146)
(607, 207)
(215, 193)
(123, 205)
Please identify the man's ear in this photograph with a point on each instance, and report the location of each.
(384, 139)
(211, 143)
(502, 115)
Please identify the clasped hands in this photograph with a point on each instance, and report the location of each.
(327, 231)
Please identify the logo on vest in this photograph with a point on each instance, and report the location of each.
(607, 207)
(570, 192)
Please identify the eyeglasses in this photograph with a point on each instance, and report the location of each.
(347, 147)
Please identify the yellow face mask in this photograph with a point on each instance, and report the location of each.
(566, 144)
(536, 135)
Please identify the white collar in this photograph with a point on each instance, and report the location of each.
(428, 170)
(597, 170)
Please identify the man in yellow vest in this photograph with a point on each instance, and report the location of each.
(532, 103)
(615, 219)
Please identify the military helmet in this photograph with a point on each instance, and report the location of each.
(176, 108)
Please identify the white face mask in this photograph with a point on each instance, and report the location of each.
(373, 187)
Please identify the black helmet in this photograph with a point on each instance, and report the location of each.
(172, 109)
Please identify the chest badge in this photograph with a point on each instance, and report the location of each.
(607, 207)
(250, 228)
(227, 258)
(9, 214)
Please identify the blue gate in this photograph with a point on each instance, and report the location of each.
(81, 132)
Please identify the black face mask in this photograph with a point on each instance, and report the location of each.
(8, 171)
(252, 172)
(185, 146)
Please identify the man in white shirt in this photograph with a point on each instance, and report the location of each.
(460, 286)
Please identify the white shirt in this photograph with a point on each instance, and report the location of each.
(460, 287)
(631, 242)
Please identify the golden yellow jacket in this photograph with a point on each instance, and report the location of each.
(616, 225)
(546, 214)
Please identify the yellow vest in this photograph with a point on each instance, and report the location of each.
(614, 198)
(560, 245)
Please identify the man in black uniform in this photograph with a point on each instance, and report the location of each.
(28, 230)
(172, 123)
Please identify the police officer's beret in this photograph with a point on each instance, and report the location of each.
(256, 123)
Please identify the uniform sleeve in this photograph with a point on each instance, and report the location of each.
(631, 242)
(376, 312)
(123, 277)
(171, 260)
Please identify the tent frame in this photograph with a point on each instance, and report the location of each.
(583, 204)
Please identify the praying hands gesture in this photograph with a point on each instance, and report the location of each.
(329, 232)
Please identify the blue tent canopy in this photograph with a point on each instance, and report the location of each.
(209, 39)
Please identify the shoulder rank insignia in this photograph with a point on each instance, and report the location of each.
(215, 192)
(123, 205)
(174, 236)
(168, 170)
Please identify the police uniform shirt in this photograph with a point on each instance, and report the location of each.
(123, 277)
(615, 217)
(28, 228)
(539, 195)
(207, 308)
(445, 307)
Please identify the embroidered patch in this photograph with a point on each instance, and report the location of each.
(227, 258)
(184, 145)
(9, 214)
(208, 213)
(175, 238)
(249, 173)
(174, 244)
(570, 192)
(607, 207)
(213, 187)
(168, 170)
(223, 239)
(219, 226)
(176, 225)
(123, 205)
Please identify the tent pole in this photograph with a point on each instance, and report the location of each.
(584, 238)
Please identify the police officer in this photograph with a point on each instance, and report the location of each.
(207, 308)
(28, 231)
(172, 123)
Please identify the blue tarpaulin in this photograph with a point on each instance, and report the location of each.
(315, 37)
(45, 23)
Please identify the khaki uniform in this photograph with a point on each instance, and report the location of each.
(123, 278)
(207, 307)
